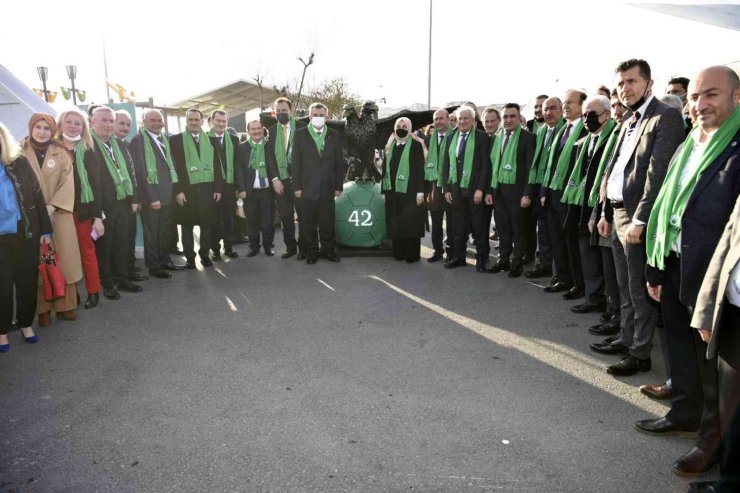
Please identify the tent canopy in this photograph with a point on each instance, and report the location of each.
(237, 97)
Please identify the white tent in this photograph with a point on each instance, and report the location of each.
(17, 103)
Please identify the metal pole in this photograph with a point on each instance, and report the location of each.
(46, 93)
(105, 66)
(429, 83)
(74, 92)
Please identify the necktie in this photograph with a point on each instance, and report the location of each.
(565, 136)
(506, 142)
(221, 142)
(591, 148)
(285, 138)
(461, 147)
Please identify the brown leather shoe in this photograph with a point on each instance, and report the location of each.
(68, 315)
(658, 391)
(44, 319)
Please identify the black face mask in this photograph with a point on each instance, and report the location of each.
(592, 121)
(636, 106)
(401, 133)
(283, 118)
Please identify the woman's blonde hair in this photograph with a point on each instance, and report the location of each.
(86, 135)
(9, 149)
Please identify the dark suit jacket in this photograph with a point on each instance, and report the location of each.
(318, 176)
(149, 192)
(272, 167)
(93, 168)
(109, 200)
(244, 175)
(200, 207)
(704, 221)
(227, 188)
(481, 170)
(588, 169)
(659, 133)
(524, 157)
(545, 190)
(126, 151)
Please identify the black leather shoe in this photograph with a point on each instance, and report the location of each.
(129, 287)
(252, 253)
(587, 307)
(607, 317)
(111, 293)
(288, 253)
(176, 251)
(160, 273)
(515, 271)
(301, 256)
(611, 345)
(332, 257)
(173, 266)
(217, 256)
(499, 267)
(269, 252)
(480, 267)
(557, 287)
(703, 487)
(190, 264)
(629, 366)
(92, 300)
(455, 262)
(436, 256)
(311, 260)
(206, 262)
(538, 271)
(231, 254)
(662, 427)
(695, 462)
(573, 293)
(605, 329)
(136, 277)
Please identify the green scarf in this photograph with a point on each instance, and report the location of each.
(542, 153)
(199, 166)
(402, 175)
(593, 197)
(433, 168)
(151, 160)
(467, 159)
(86, 193)
(118, 170)
(664, 224)
(575, 191)
(318, 139)
(561, 167)
(282, 157)
(228, 173)
(257, 157)
(505, 174)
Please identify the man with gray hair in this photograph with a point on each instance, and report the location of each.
(466, 175)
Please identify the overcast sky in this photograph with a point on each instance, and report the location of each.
(482, 51)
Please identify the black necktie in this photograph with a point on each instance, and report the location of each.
(592, 147)
(565, 136)
(462, 146)
(506, 142)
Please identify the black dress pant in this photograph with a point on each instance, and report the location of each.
(593, 269)
(188, 241)
(611, 285)
(288, 207)
(544, 248)
(467, 214)
(694, 399)
(408, 249)
(223, 228)
(565, 249)
(259, 207)
(511, 223)
(131, 246)
(19, 262)
(112, 248)
(317, 222)
(438, 232)
(157, 226)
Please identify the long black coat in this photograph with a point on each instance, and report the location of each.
(150, 192)
(480, 178)
(317, 176)
(34, 220)
(93, 167)
(200, 206)
(403, 218)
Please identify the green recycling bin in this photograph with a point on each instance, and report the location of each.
(360, 215)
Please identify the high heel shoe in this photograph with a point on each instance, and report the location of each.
(31, 339)
(4, 348)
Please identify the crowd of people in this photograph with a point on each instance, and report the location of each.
(622, 198)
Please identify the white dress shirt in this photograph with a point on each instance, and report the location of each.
(733, 286)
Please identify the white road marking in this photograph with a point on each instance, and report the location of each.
(220, 272)
(245, 297)
(322, 282)
(231, 304)
(535, 284)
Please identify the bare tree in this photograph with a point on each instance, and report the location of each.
(306, 63)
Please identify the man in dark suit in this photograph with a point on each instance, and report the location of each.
(318, 168)
(563, 236)
(223, 228)
(436, 203)
(466, 175)
(685, 226)
(539, 118)
(280, 170)
(650, 134)
(512, 209)
(119, 201)
(254, 188)
(198, 187)
(156, 172)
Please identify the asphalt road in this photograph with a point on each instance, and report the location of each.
(368, 375)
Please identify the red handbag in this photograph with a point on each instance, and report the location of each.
(51, 275)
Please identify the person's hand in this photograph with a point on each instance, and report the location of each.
(488, 200)
(605, 229)
(45, 239)
(217, 197)
(298, 194)
(98, 226)
(478, 196)
(654, 291)
(705, 335)
(525, 202)
(591, 224)
(542, 201)
(448, 197)
(242, 195)
(634, 232)
(134, 208)
(156, 205)
(180, 198)
(277, 185)
(337, 193)
(50, 209)
(419, 198)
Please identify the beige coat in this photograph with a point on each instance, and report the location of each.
(58, 185)
(712, 294)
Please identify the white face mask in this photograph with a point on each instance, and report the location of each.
(318, 122)
(71, 139)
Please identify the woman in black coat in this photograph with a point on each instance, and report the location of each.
(403, 187)
(24, 224)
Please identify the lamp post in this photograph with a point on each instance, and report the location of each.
(72, 74)
(44, 75)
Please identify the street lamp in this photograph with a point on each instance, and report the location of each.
(72, 74)
(44, 75)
